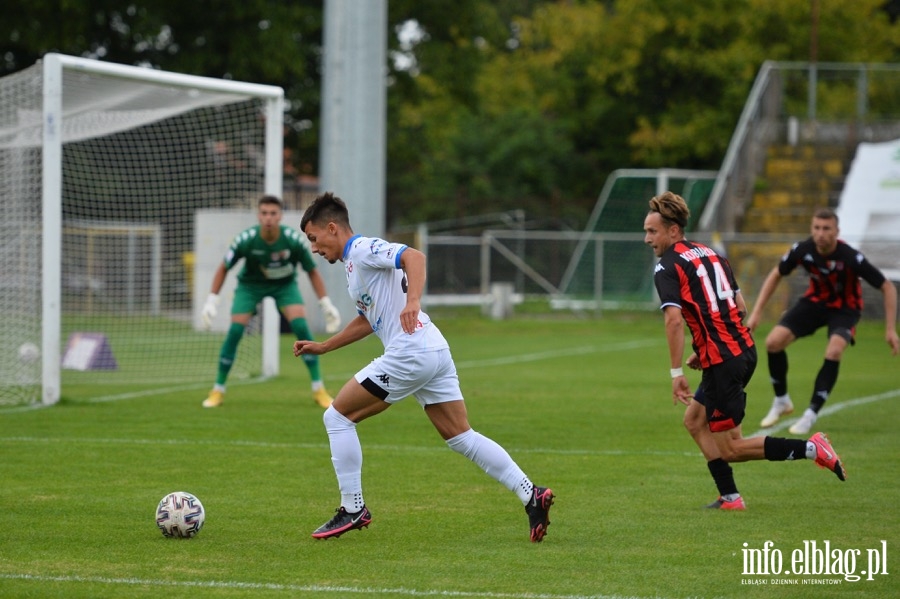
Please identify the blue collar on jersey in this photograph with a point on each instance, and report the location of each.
(347, 246)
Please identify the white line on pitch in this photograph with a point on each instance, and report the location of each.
(137, 394)
(324, 446)
(830, 409)
(558, 353)
(314, 588)
(28, 408)
(519, 359)
(165, 390)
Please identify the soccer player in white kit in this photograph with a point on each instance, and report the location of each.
(386, 280)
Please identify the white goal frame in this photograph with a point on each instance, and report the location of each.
(52, 142)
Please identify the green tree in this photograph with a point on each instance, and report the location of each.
(688, 75)
(492, 104)
(452, 151)
(602, 85)
(262, 41)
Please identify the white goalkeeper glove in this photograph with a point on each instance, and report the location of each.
(331, 314)
(210, 309)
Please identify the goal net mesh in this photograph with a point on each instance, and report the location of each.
(138, 160)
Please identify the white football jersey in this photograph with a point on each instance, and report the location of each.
(377, 284)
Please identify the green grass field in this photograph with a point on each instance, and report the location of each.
(583, 405)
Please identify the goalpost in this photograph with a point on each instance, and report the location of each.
(102, 169)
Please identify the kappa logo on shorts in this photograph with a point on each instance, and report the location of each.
(385, 379)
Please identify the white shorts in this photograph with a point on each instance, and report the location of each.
(429, 376)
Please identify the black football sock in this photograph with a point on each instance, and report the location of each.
(779, 449)
(825, 381)
(778, 367)
(723, 475)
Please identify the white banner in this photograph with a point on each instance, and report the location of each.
(870, 205)
(870, 201)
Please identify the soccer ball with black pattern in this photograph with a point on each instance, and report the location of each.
(180, 514)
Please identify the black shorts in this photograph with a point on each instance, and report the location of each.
(806, 317)
(722, 392)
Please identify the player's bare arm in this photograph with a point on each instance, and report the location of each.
(890, 316)
(693, 361)
(681, 391)
(765, 292)
(356, 329)
(413, 263)
(741, 304)
(317, 282)
(218, 279)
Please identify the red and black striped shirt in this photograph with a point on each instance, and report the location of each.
(833, 279)
(691, 276)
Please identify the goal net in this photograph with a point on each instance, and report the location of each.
(102, 169)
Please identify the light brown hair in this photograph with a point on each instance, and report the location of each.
(672, 208)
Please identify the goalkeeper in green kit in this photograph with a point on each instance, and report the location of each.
(271, 252)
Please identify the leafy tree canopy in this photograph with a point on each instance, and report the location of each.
(492, 104)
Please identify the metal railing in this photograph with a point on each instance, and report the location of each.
(617, 272)
(798, 102)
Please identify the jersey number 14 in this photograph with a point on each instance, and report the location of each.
(720, 291)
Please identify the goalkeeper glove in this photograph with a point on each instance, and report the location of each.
(210, 309)
(331, 314)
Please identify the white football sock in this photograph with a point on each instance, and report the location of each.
(811, 451)
(346, 457)
(494, 460)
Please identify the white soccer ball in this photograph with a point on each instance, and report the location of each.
(180, 514)
(29, 352)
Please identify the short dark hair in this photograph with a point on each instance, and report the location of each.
(672, 208)
(326, 208)
(826, 213)
(268, 199)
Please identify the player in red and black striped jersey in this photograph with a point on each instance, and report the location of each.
(833, 299)
(697, 287)
(701, 284)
